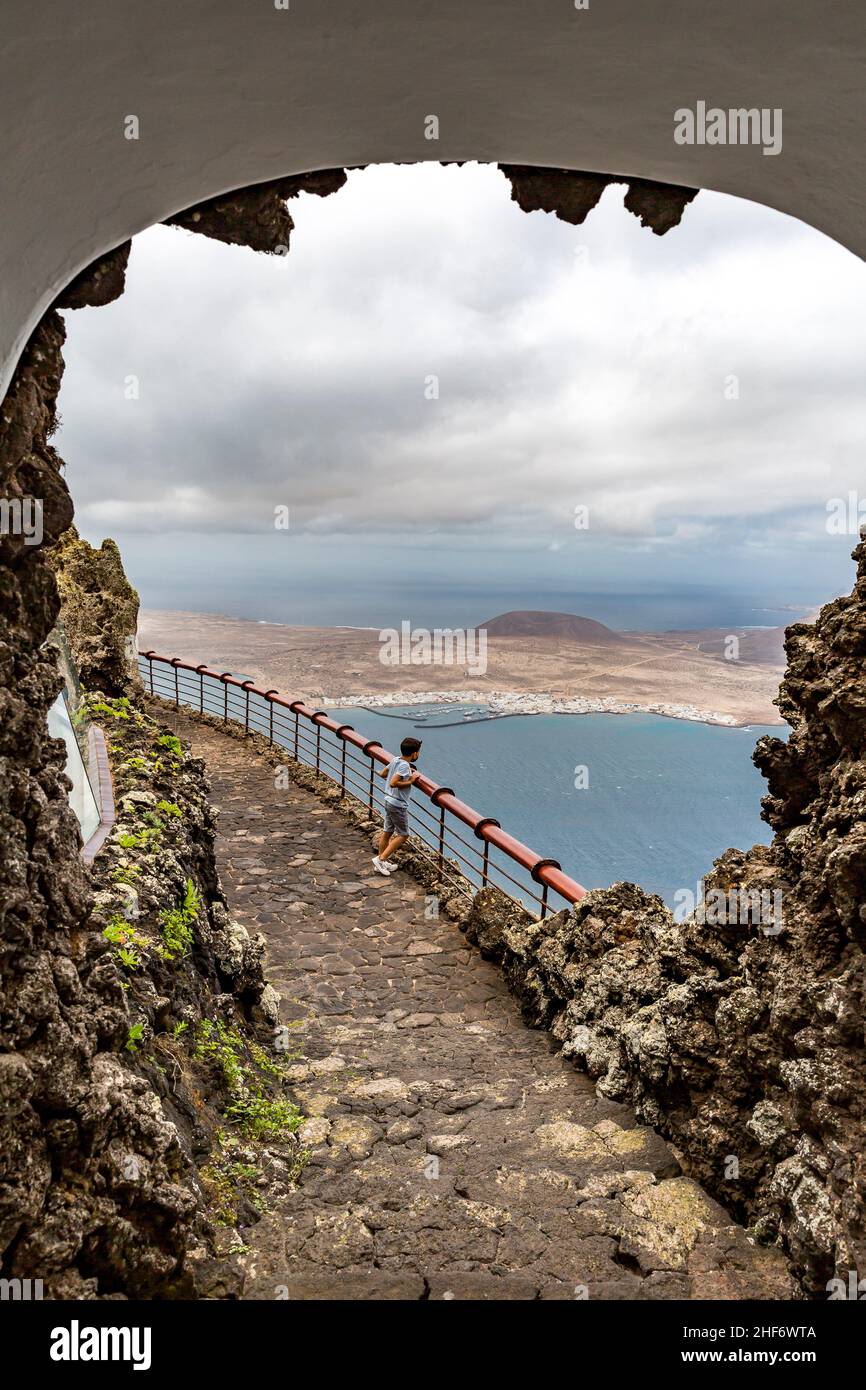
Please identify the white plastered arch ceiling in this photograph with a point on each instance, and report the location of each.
(233, 92)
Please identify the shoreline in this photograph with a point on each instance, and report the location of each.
(669, 677)
(510, 704)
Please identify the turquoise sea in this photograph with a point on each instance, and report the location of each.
(664, 796)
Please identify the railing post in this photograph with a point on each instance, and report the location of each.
(150, 661)
(201, 670)
(318, 748)
(176, 690)
(269, 696)
(246, 690)
(435, 797)
(341, 735)
(485, 861)
(225, 696)
(367, 750)
(296, 735)
(535, 874)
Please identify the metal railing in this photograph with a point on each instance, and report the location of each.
(338, 751)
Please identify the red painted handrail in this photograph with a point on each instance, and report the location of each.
(547, 872)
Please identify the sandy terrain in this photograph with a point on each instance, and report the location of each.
(670, 673)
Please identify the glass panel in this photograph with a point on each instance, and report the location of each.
(81, 797)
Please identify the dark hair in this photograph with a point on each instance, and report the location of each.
(410, 746)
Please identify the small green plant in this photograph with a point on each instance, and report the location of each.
(122, 933)
(217, 1042)
(169, 808)
(128, 874)
(255, 1114)
(179, 1029)
(264, 1117)
(230, 1186)
(172, 743)
(117, 931)
(176, 934)
(110, 709)
(133, 1040)
(128, 943)
(177, 924)
(146, 838)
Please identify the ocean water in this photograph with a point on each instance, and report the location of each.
(664, 797)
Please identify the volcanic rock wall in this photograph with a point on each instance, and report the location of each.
(739, 1033)
(108, 1119)
(100, 612)
(101, 1181)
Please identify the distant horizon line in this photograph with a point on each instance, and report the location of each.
(804, 610)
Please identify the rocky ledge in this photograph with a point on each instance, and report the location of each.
(739, 1032)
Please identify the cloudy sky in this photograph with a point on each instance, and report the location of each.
(700, 395)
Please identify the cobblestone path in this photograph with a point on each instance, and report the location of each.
(452, 1154)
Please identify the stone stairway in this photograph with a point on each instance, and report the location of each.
(452, 1153)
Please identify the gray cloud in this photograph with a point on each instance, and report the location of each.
(576, 366)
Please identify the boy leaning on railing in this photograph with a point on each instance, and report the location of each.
(399, 778)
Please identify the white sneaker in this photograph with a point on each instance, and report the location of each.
(380, 867)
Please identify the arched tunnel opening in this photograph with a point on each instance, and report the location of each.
(730, 1038)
